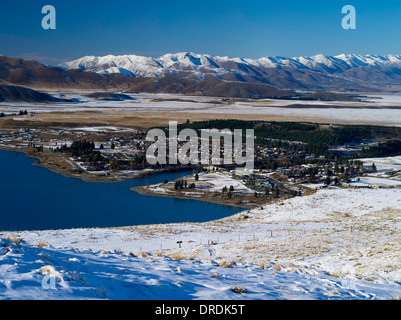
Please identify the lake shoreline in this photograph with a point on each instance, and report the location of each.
(41, 161)
(143, 190)
(219, 188)
(46, 160)
(63, 202)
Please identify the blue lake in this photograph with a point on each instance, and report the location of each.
(35, 198)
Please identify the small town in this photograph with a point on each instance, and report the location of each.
(280, 172)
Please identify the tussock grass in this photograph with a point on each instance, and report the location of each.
(277, 267)
(47, 270)
(176, 256)
(14, 239)
(226, 264)
(238, 289)
(42, 244)
(334, 274)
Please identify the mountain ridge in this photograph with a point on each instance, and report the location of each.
(348, 72)
(34, 75)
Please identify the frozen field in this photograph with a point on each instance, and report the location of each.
(383, 164)
(217, 181)
(374, 181)
(380, 111)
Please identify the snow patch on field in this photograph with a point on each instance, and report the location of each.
(387, 163)
(373, 181)
(103, 129)
(220, 180)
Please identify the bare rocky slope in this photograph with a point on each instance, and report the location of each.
(11, 93)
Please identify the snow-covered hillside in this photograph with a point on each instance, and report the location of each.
(334, 244)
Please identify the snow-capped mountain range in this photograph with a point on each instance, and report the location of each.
(347, 71)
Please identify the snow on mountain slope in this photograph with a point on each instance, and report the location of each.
(140, 65)
(129, 65)
(316, 72)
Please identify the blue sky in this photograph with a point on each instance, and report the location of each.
(247, 28)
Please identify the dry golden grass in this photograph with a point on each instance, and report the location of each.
(238, 289)
(176, 256)
(47, 270)
(42, 244)
(334, 274)
(14, 238)
(277, 267)
(226, 264)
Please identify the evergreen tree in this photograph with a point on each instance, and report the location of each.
(336, 169)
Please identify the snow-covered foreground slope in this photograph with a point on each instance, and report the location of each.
(334, 244)
(95, 275)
